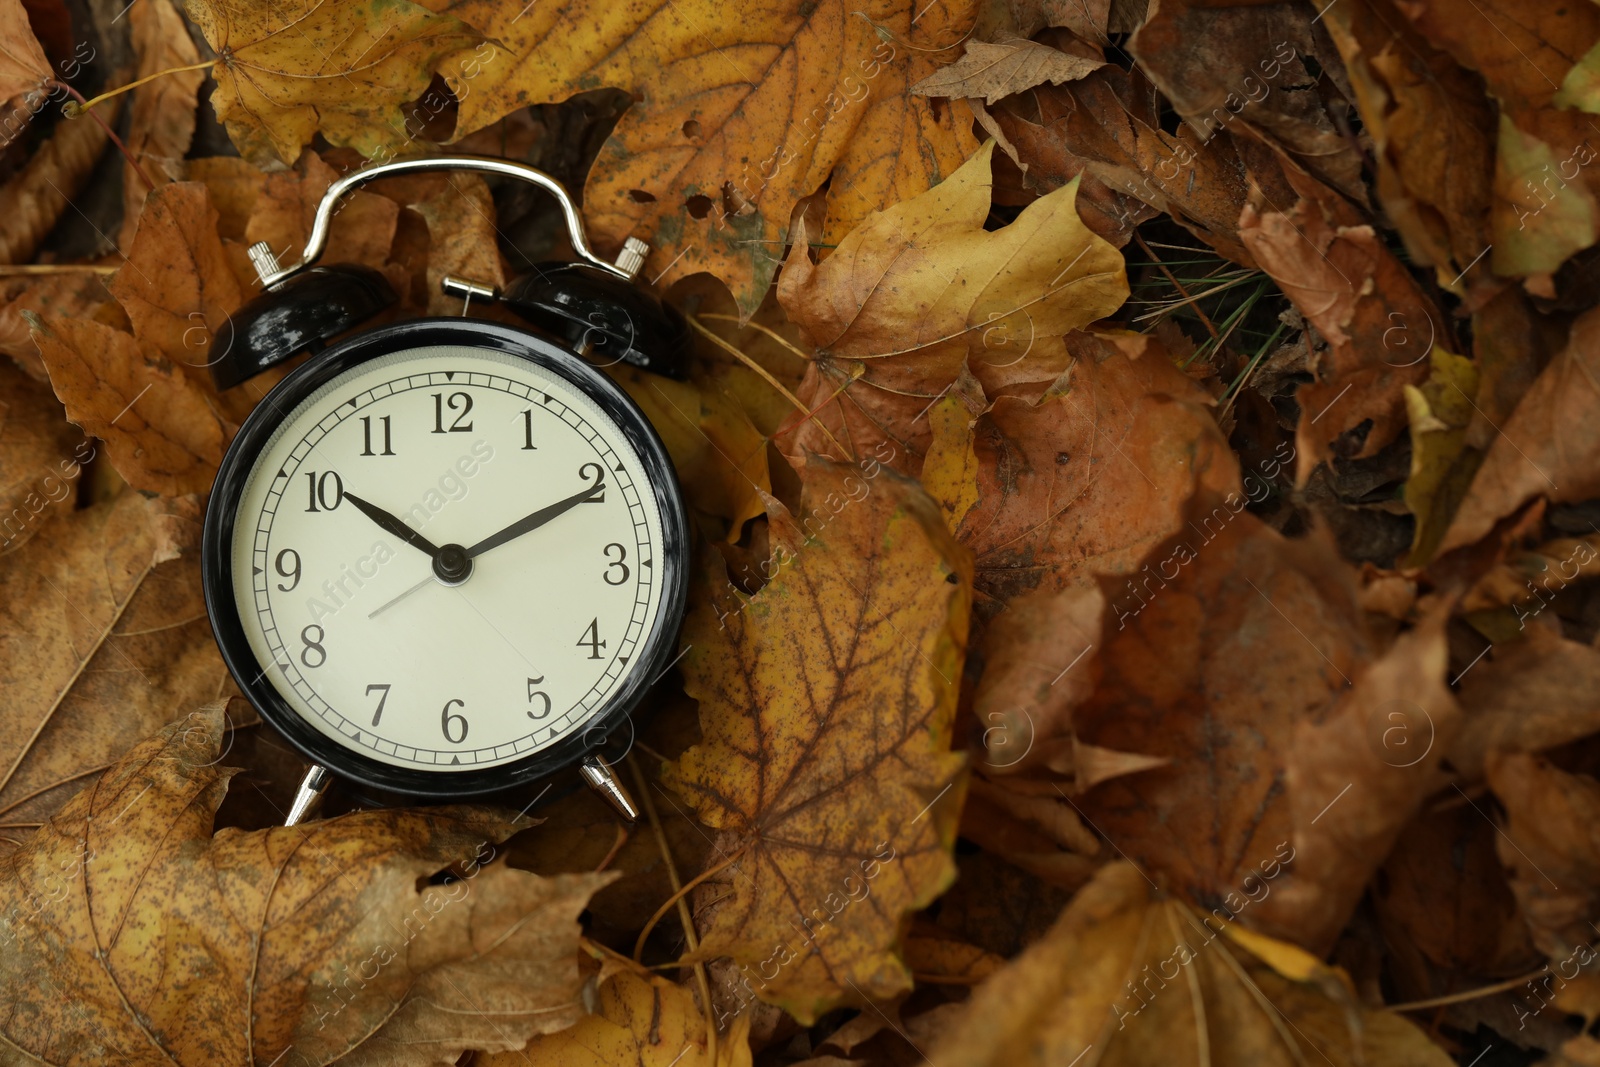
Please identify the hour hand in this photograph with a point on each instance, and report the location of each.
(390, 524)
(537, 519)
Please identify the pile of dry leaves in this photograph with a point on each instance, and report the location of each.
(1146, 471)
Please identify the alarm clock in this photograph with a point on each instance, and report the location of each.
(447, 557)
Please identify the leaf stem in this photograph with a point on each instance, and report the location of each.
(84, 105)
(84, 109)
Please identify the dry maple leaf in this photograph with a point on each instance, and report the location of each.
(735, 120)
(914, 292)
(105, 638)
(827, 701)
(639, 1019)
(1127, 977)
(1548, 447)
(137, 937)
(38, 469)
(1003, 68)
(23, 65)
(344, 69)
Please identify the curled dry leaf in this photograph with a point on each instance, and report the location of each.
(639, 1019)
(162, 122)
(37, 464)
(735, 119)
(137, 933)
(827, 701)
(1364, 302)
(160, 430)
(1139, 978)
(106, 637)
(1550, 447)
(916, 290)
(1003, 68)
(345, 70)
(37, 195)
(23, 65)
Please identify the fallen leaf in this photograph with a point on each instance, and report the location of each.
(639, 1019)
(162, 119)
(906, 299)
(144, 936)
(346, 70)
(1442, 465)
(462, 236)
(1539, 220)
(1002, 68)
(161, 434)
(826, 703)
(23, 65)
(39, 194)
(70, 294)
(1548, 447)
(1363, 302)
(37, 448)
(1100, 980)
(362, 229)
(1526, 697)
(735, 120)
(1523, 48)
(998, 906)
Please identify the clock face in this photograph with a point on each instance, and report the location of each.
(450, 558)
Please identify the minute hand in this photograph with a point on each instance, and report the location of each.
(534, 521)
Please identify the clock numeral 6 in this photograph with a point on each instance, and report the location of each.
(591, 640)
(445, 719)
(313, 644)
(383, 698)
(460, 404)
(622, 554)
(285, 572)
(318, 490)
(540, 695)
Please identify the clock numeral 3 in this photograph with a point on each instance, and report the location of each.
(622, 554)
(460, 404)
(540, 695)
(318, 490)
(599, 481)
(591, 640)
(382, 699)
(445, 719)
(366, 436)
(313, 644)
(284, 572)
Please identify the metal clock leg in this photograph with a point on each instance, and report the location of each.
(309, 795)
(597, 772)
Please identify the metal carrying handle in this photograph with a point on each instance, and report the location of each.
(271, 274)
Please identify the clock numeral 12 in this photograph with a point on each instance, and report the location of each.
(591, 640)
(319, 490)
(366, 436)
(539, 694)
(445, 719)
(457, 400)
(382, 699)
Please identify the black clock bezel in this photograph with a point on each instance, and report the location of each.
(657, 649)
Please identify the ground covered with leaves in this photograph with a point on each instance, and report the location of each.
(1145, 468)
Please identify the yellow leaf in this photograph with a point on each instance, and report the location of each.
(1129, 977)
(736, 116)
(826, 702)
(345, 69)
(1442, 465)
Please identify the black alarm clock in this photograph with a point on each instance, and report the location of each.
(447, 557)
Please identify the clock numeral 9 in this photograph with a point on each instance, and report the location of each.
(382, 699)
(313, 644)
(622, 554)
(285, 572)
(318, 490)
(366, 436)
(460, 404)
(538, 694)
(591, 640)
(445, 719)
(599, 481)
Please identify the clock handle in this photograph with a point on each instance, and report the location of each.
(271, 274)
(309, 795)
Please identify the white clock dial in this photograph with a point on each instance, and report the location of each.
(352, 624)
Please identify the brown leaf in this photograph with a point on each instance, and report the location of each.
(161, 125)
(142, 935)
(37, 195)
(1550, 447)
(1358, 295)
(1141, 979)
(106, 636)
(39, 457)
(462, 236)
(1000, 69)
(1526, 696)
(1523, 48)
(23, 65)
(826, 703)
(362, 229)
(160, 431)
(70, 294)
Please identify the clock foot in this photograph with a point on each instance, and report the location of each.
(597, 772)
(309, 795)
